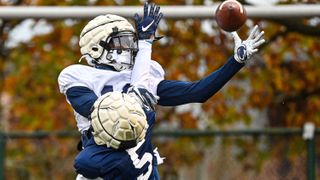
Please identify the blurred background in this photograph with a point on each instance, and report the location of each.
(251, 129)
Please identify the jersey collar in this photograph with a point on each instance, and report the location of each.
(105, 67)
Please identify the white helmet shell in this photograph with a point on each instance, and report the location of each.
(97, 30)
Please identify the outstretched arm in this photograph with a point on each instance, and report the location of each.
(173, 93)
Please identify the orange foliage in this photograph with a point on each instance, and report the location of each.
(284, 79)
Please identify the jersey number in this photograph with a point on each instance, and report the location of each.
(109, 88)
(139, 163)
(147, 157)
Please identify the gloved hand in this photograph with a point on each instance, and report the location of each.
(243, 50)
(147, 25)
(147, 100)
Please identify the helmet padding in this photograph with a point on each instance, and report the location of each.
(99, 30)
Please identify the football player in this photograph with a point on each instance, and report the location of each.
(119, 56)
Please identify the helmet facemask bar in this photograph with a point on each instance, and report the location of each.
(118, 45)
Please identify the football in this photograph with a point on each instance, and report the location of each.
(230, 15)
(118, 121)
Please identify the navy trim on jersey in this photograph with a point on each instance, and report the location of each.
(104, 67)
(107, 89)
(81, 99)
(173, 93)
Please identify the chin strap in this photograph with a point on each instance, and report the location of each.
(82, 57)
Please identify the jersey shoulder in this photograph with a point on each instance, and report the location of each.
(75, 69)
(74, 75)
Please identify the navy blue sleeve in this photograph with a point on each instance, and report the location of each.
(173, 93)
(81, 99)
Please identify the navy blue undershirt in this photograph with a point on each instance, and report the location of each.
(171, 92)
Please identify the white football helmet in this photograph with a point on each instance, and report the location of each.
(109, 40)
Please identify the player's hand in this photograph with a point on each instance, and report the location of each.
(147, 100)
(243, 50)
(147, 25)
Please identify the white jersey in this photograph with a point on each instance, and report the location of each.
(96, 80)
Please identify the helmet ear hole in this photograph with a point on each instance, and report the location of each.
(94, 48)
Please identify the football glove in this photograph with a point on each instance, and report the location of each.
(147, 25)
(243, 50)
(147, 100)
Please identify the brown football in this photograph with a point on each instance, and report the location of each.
(231, 15)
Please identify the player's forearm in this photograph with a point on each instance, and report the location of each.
(216, 80)
(141, 68)
(174, 93)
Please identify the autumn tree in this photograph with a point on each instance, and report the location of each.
(280, 83)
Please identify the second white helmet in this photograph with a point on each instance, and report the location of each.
(109, 40)
(118, 121)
